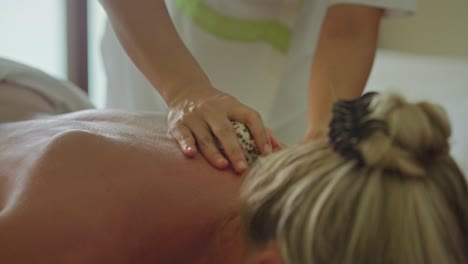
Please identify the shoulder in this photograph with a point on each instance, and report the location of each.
(123, 177)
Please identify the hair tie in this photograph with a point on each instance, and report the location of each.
(347, 128)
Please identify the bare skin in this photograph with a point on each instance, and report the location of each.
(110, 187)
(342, 64)
(343, 61)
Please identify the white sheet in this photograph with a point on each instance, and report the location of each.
(64, 96)
(439, 79)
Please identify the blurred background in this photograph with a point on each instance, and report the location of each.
(62, 37)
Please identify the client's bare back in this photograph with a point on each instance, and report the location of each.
(105, 187)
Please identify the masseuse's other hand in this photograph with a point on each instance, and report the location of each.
(197, 117)
(275, 143)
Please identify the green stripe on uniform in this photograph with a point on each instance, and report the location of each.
(272, 32)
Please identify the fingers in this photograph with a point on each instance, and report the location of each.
(185, 140)
(255, 124)
(276, 145)
(207, 144)
(204, 124)
(225, 133)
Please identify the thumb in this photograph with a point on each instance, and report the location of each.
(276, 145)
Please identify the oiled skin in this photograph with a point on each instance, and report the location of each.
(107, 187)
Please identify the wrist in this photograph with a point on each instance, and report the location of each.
(177, 92)
(316, 133)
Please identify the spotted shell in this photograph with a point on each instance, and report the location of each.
(246, 141)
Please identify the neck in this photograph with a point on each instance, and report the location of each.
(227, 245)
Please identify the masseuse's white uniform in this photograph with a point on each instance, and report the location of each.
(256, 50)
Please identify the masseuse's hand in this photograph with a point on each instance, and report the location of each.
(275, 143)
(199, 116)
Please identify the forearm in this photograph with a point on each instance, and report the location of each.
(148, 36)
(199, 114)
(341, 67)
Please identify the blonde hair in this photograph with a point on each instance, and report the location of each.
(404, 201)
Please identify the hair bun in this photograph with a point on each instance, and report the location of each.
(384, 130)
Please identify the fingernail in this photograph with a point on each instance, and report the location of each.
(221, 161)
(267, 149)
(188, 149)
(241, 165)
